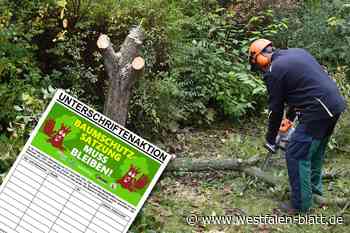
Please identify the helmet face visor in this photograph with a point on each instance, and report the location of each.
(267, 49)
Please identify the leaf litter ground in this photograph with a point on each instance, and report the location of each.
(181, 194)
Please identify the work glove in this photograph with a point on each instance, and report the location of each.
(272, 148)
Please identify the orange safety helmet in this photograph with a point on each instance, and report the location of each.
(255, 56)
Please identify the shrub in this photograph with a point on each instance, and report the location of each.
(196, 56)
(211, 66)
(21, 79)
(341, 138)
(322, 27)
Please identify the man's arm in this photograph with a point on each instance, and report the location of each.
(275, 119)
(276, 107)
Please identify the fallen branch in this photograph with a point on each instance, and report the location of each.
(274, 181)
(264, 176)
(189, 165)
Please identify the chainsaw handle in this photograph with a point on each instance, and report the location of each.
(286, 124)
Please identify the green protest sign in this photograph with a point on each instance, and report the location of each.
(95, 153)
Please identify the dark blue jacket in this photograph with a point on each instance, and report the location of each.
(295, 78)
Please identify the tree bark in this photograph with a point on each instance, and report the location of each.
(123, 69)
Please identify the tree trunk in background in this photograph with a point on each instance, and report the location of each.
(123, 69)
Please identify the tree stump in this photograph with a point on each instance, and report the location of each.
(123, 69)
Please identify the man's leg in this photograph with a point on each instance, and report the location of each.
(299, 153)
(317, 160)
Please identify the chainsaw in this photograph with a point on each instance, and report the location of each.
(285, 132)
(284, 135)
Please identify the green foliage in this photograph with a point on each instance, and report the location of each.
(24, 87)
(211, 65)
(322, 27)
(243, 146)
(196, 56)
(210, 79)
(341, 138)
(157, 105)
(10, 148)
(21, 80)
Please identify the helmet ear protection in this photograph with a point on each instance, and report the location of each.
(256, 50)
(261, 60)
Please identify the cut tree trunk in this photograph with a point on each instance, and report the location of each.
(123, 69)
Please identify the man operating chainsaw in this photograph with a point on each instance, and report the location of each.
(294, 78)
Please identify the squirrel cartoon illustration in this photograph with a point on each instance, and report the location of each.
(129, 182)
(56, 137)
